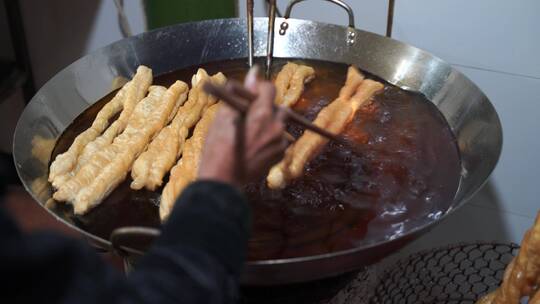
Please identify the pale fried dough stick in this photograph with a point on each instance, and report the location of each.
(333, 118)
(185, 171)
(132, 99)
(522, 275)
(290, 83)
(282, 81)
(151, 166)
(138, 134)
(134, 91)
(93, 167)
(110, 166)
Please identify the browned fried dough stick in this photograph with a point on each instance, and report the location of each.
(185, 171)
(290, 83)
(125, 100)
(151, 166)
(333, 118)
(535, 299)
(522, 275)
(108, 167)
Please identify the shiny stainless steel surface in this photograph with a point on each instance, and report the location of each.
(469, 113)
(249, 13)
(351, 33)
(390, 17)
(270, 37)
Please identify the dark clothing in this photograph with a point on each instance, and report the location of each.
(197, 259)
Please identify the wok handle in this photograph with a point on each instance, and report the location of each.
(119, 237)
(351, 33)
(340, 3)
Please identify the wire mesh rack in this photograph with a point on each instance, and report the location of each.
(455, 274)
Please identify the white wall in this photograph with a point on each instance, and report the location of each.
(491, 34)
(370, 15)
(61, 31)
(105, 29)
(496, 44)
(58, 33)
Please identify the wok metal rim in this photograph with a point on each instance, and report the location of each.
(106, 244)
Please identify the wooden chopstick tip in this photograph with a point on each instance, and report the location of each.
(227, 96)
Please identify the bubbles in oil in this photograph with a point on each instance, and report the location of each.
(388, 184)
(403, 172)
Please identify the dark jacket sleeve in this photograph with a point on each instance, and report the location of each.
(197, 259)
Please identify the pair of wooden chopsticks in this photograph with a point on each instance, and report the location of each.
(239, 98)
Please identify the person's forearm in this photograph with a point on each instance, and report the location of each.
(211, 216)
(197, 259)
(202, 246)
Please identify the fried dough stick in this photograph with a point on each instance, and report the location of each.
(522, 276)
(125, 100)
(290, 83)
(333, 118)
(185, 171)
(89, 171)
(151, 166)
(107, 168)
(116, 128)
(535, 299)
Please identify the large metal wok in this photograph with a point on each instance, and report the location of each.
(467, 110)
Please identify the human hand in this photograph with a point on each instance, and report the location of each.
(264, 142)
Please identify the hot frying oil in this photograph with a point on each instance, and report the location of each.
(405, 169)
